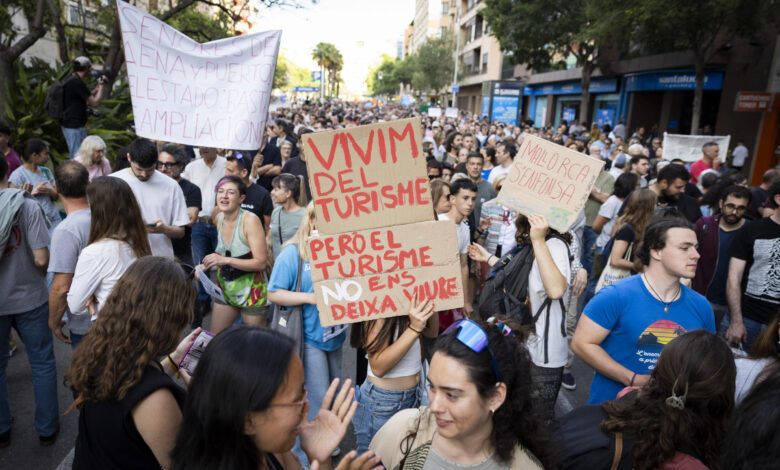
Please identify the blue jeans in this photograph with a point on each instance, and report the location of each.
(33, 328)
(375, 407)
(74, 137)
(204, 242)
(319, 369)
(75, 339)
(752, 327)
(588, 248)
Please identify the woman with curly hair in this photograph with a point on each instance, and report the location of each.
(677, 421)
(130, 407)
(481, 407)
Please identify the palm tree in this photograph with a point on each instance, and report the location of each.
(330, 61)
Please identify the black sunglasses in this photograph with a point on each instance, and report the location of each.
(167, 165)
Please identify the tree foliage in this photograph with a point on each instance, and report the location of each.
(541, 33)
(428, 70)
(329, 58)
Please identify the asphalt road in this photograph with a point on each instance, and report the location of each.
(25, 452)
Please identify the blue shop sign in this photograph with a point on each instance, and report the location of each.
(505, 109)
(672, 80)
(598, 85)
(308, 89)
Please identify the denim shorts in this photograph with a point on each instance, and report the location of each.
(375, 407)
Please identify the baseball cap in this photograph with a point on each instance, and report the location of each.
(620, 160)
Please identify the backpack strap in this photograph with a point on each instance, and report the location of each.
(618, 451)
(545, 306)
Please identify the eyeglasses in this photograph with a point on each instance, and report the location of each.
(167, 165)
(732, 207)
(475, 338)
(433, 177)
(300, 404)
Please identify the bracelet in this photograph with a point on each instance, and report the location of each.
(491, 256)
(480, 232)
(173, 364)
(632, 380)
(418, 332)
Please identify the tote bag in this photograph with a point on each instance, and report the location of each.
(611, 274)
(289, 320)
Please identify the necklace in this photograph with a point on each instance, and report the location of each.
(666, 304)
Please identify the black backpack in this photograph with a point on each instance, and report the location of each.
(505, 293)
(55, 99)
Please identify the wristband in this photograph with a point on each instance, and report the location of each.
(633, 377)
(491, 256)
(173, 364)
(480, 232)
(418, 332)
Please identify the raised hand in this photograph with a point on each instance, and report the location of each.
(320, 437)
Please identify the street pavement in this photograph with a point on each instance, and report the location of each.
(25, 452)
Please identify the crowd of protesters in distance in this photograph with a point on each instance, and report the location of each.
(667, 285)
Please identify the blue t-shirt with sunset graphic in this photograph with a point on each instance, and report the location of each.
(639, 328)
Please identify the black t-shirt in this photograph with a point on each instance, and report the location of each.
(276, 142)
(258, 201)
(74, 101)
(271, 155)
(182, 247)
(760, 195)
(108, 437)
(758, 243)
(297, 167)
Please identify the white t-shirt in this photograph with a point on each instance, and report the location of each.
(609, 210)
(740, 154)
(496, 172)
(748, 371)
(462, 229)
(98, 269)
(160, 197)
(199, 174)
(557, 346)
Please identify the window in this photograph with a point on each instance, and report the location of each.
(485, 62)
(478, 27)
(445, 8)
(73, 14)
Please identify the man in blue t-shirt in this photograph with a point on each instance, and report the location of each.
(626, 325)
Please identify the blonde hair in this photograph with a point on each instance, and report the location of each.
(304, 232)
(499, 179)
(89, 145)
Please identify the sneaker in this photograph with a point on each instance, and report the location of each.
(5, 439)
(49, 440)
(568, 381)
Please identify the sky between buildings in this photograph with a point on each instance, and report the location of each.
(361, 29)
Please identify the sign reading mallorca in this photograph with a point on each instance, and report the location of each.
(214, 94)
(549, 179)
(376, 273)
(368, 176)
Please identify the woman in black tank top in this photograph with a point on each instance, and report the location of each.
(130, 407)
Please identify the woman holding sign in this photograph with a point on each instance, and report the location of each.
(394, 366)
(322, 347)
(548, 290)
(240, 259)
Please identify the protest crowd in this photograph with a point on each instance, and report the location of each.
(666, 284)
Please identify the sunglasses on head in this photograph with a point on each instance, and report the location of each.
(474, 337)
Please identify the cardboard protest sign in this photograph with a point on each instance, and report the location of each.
(434, 112)
(368, 176)
(370, 274)
(549, 179)
(688, 147)
(214, 94)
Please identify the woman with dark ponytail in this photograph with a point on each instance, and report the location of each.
(289, 195)
(37, 179)
(481, 407)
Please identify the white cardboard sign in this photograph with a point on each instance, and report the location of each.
(214, 94)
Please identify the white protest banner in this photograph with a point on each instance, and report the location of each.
(549, 179)
(214, 94)
(434, 112)
(451, 112)
(371, 274)
(688, 147)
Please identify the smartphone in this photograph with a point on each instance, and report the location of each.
(151, 225)
(190, 360)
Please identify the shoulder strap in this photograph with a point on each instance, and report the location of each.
(300, 272)
(618, 451)
(279, 226)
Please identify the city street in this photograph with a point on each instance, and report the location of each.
(26, 453)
